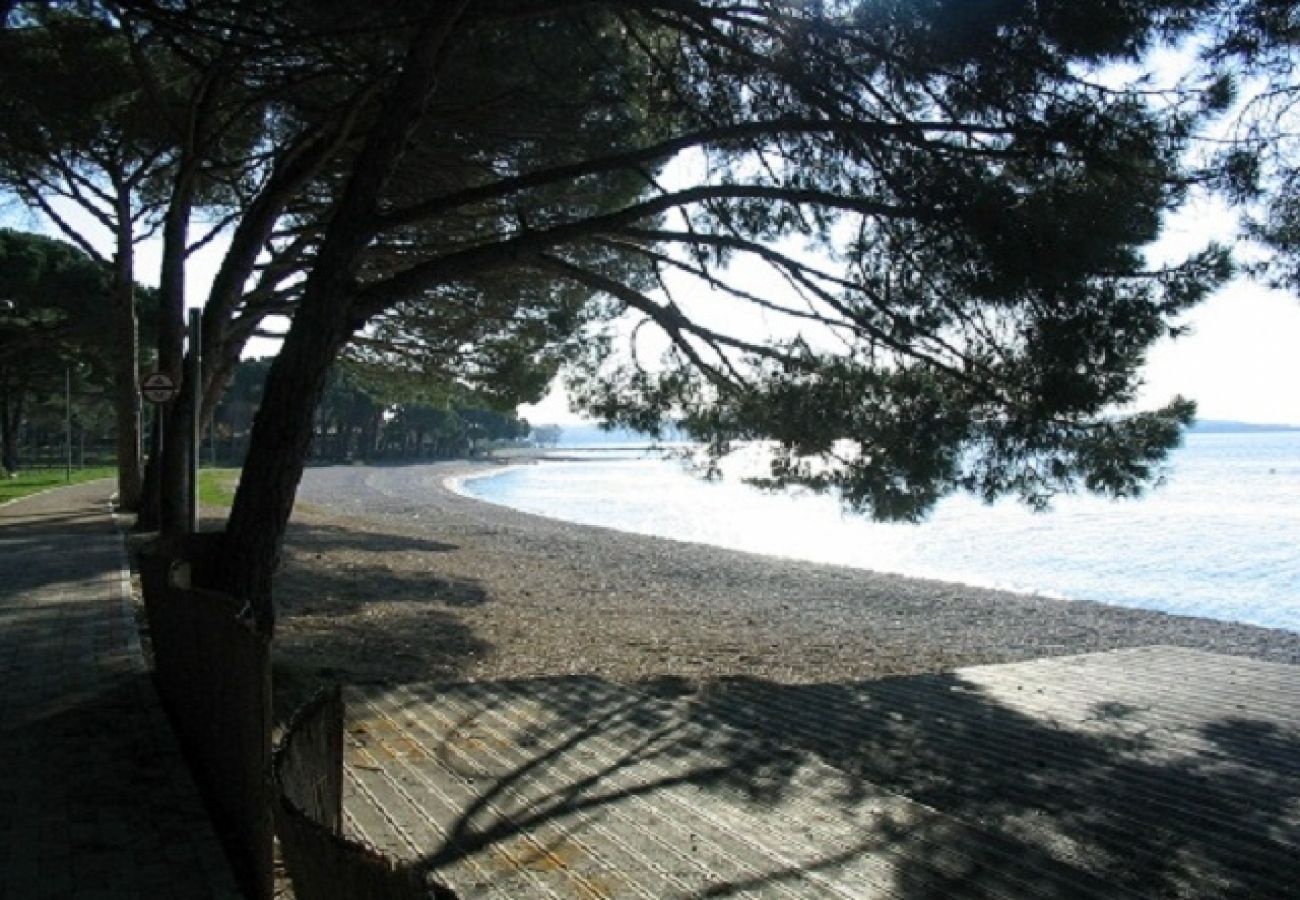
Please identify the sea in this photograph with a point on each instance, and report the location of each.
(1220, 538)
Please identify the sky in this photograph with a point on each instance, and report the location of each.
(1242, 358)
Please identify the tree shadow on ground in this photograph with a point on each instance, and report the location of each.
(20, 526)
(360, 572)
(319, 537)
(92, 784)
(45, 550)
(1170, 807)
(312, 652)
(1004, 798)
(306, 588)
(361, 620)
(54, 522)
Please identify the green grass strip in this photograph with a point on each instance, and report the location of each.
(217, 487)
(34, 481)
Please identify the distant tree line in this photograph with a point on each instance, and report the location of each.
(56, 353)
(370, 413)
(57, 380)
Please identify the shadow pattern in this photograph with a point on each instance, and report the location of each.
(933, 786)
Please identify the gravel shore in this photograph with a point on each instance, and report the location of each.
(391, 577)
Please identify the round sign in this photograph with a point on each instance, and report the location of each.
(158, 387)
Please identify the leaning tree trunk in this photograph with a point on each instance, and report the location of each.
(324, 322)
(277, 453)
(217, 372)
(126, 367)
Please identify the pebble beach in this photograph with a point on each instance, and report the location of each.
(389, 576)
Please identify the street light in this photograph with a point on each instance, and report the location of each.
(7, 306)
(67, 422)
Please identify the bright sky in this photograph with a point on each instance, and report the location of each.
(1242, 358)
(1242, 362)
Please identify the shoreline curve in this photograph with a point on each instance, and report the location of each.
(541, 596)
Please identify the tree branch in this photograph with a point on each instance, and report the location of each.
(633, 159)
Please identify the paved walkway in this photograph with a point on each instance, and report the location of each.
(95, 800)
(1157, 772)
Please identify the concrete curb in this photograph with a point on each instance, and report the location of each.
(126, 590)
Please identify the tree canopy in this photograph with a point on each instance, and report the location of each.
(55, 320)
(370, 412)
(51, 295)
(1256, 42)
(97, 130)
(938, 208)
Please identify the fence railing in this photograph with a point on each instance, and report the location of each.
(213, 672)
(323, 863)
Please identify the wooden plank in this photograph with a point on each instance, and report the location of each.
(1147, 772)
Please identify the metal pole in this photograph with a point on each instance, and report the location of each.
(192, 381)
(67, 421)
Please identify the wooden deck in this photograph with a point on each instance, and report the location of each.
(1156, 772)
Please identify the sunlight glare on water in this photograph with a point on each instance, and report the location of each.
(1221, 539)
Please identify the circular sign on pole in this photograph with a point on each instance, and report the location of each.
(158, 387)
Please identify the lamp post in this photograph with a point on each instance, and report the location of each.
(7, 308)
(193, 379)
(67, 422)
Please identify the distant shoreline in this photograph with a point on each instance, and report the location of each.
(1223, 426)
(593, 435)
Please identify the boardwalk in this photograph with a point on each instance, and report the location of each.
(95, 800)
(1154, 772)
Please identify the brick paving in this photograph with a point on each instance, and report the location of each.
(95, 799)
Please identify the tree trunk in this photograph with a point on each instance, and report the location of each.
(11, 419)
(216, 374)
(126, 367)
(148, 514)
(277, 452)
(176, 489)
(282, 429)
(369, 440)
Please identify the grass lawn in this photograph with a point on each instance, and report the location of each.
(32, 481)
(217, 487)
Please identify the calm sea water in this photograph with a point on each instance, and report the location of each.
(1220, 539)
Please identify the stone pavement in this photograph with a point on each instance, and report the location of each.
(95, 799)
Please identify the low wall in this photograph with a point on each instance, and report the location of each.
(214, 676)
(325, 865)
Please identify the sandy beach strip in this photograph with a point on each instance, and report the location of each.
(391, 577)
